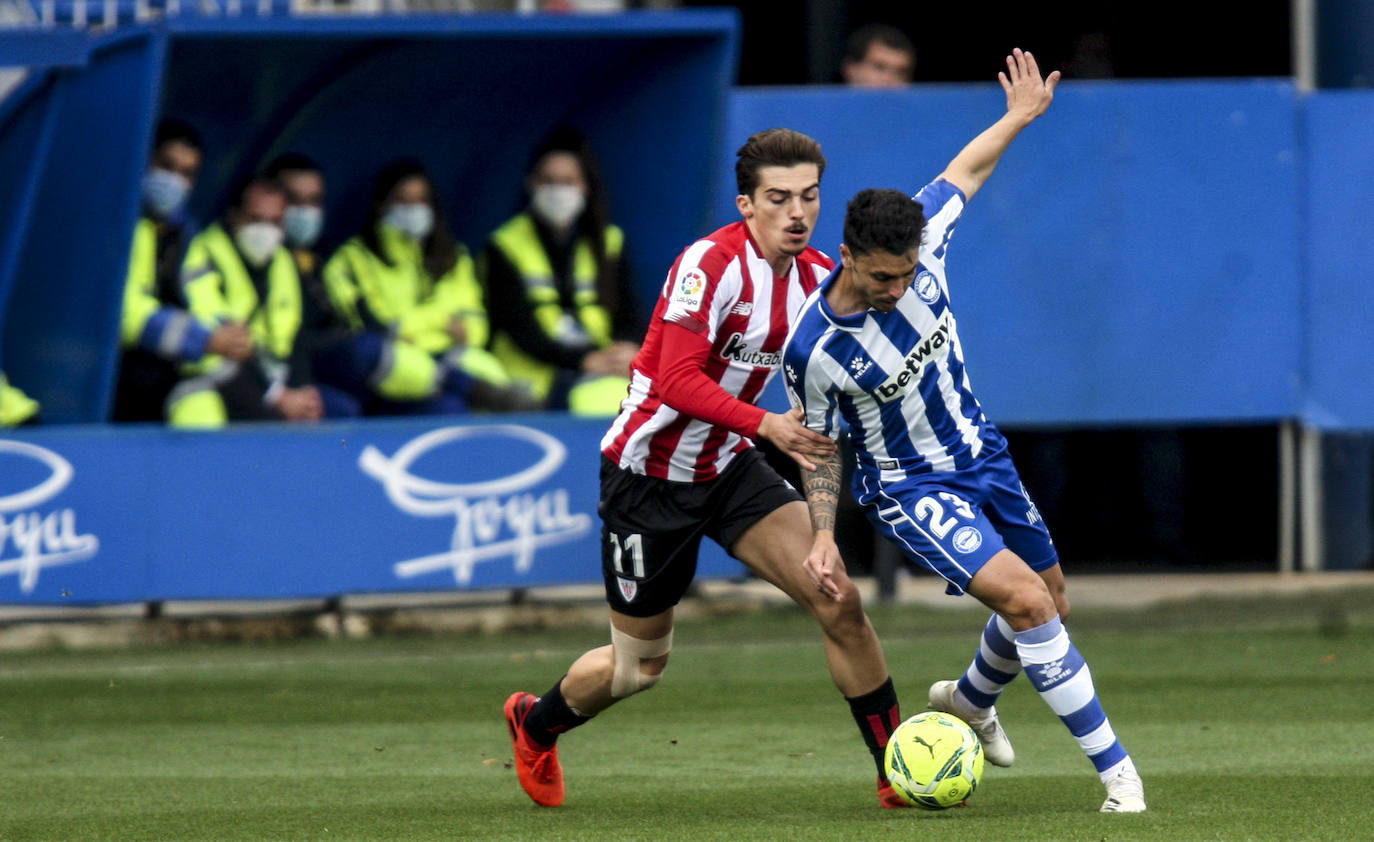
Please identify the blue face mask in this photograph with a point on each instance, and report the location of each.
(414, 220)
(303, 224)
(165, 192)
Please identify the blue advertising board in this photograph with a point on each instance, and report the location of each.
(99, 515)
(1116, 268)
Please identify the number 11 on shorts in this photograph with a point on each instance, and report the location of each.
(632, 545)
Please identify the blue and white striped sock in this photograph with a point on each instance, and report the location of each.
(1063, 680)
(994, 666)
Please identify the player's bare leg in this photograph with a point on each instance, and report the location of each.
(1007, 585)
(588, 685)
(774, 549)
(634, 661)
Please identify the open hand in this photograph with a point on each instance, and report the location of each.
(793, 438)
(1028, 95)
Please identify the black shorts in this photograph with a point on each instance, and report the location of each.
(651, 528)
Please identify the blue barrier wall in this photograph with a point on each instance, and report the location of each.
(471, 95)
(98, 514)
(1135, 258)
(1339, 257)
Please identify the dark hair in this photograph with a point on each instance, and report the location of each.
(441, 252)
(856, 47)
(290, 162)
(591, 225)
(883, 220)
(256, 182)
(774, 148)
(172, 130)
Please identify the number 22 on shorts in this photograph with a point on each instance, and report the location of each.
(929, 509)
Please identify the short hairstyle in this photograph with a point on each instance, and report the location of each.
(774, 148)
(883, 220)
(257, 182)
(290, 162)
(856, 47)
(172, 130)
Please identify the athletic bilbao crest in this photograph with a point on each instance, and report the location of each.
(511, 516)
(628, 588)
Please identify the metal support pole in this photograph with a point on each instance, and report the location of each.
(1304, 29)
(1312, 532)
(1288, 496)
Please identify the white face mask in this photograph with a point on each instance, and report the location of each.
(558, 204)
(415, 220)
(258, 241)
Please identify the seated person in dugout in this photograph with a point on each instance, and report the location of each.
(410, 298)
(238, 272)
(156, 332)
(563, 313)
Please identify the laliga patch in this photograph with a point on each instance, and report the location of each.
(967, 539)
(689, 289)
(629, 588)
(927, 288)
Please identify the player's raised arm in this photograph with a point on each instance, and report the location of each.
(1028, 95)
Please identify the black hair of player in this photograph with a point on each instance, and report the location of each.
(774, 148)
(883, 220)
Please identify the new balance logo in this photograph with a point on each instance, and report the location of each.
(743, 308)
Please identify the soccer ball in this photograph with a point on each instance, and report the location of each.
(934, 760)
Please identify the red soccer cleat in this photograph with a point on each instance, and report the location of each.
(538, 768)
(888, 797)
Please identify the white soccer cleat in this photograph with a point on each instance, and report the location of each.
(996, 747)
(1125, 792)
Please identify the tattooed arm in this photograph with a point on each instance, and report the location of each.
(822, 488)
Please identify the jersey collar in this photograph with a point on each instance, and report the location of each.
(852, 322)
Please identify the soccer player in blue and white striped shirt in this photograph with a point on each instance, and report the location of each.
(876, 349)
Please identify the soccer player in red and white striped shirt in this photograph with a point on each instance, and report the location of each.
(679, 463)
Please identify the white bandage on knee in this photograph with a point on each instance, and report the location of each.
(626, 680)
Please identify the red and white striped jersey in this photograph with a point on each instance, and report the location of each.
(721, 288)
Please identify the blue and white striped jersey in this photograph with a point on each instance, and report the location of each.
(897, 379)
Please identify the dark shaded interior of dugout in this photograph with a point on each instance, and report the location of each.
(470, 96)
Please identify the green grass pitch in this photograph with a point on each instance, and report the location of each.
(1250, 720)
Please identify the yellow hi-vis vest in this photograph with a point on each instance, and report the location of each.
(402, 296)
(140, 286)
(15, 406)
(519, 242)
(219, 289)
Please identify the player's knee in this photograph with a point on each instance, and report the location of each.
(638, 664)
(1028, 606)
(845, 618)
(1061, 604)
